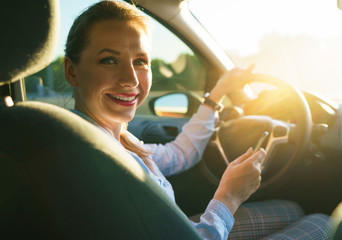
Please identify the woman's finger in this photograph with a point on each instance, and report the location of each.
(244, 156)
(248, 72)
(258, 157)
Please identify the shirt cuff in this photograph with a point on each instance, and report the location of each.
(206, 113)
(222, 212)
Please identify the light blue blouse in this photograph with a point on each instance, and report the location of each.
(179, 155)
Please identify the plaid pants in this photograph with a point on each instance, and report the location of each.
(278, 219)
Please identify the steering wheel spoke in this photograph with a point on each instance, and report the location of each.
(279, 135)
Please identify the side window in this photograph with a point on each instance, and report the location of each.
(49, 85)
(174, 68)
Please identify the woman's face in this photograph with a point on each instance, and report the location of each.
(113, 76)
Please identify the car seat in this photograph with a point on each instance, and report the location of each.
(60, 176)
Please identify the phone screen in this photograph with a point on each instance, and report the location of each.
(261, 140)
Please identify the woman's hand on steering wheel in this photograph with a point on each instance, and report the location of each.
(230, 81)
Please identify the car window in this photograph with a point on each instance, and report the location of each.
(299, 41)
(174, 67)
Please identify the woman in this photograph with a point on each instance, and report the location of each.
(108, 63)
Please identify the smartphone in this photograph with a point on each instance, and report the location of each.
(261, 140)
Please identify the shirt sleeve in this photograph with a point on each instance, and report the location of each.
(216, 222)
(187, 149)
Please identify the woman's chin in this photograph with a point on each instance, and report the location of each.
(123, 117)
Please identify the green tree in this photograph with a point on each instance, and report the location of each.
(52, 77)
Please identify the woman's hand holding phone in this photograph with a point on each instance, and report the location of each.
(241, 179)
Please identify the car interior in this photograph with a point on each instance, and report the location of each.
(62, 178)
(51, 187)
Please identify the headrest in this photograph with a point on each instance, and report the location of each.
(28, 37)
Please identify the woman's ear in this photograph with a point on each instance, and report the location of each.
(69, 71)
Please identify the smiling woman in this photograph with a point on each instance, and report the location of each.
(173, 67)
(109, 50)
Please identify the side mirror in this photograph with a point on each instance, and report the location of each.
(177, 105)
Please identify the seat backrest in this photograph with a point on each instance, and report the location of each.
(60, 176)
(63, 178)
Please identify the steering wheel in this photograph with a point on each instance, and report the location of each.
(235, 136)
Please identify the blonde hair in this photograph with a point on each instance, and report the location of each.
(78, 36)
(129, 145)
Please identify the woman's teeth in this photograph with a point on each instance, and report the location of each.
(123, 98)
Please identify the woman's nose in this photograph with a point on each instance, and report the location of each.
(129, 77)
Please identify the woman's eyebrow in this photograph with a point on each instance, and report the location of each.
(142, 55)
(109, 50)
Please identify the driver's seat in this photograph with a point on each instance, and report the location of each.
(61, 177)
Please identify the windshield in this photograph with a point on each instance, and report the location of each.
(299, 41)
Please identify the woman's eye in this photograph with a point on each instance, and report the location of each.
(109, 60)
(141, 62)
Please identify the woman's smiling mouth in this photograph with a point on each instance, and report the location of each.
(123, 99)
